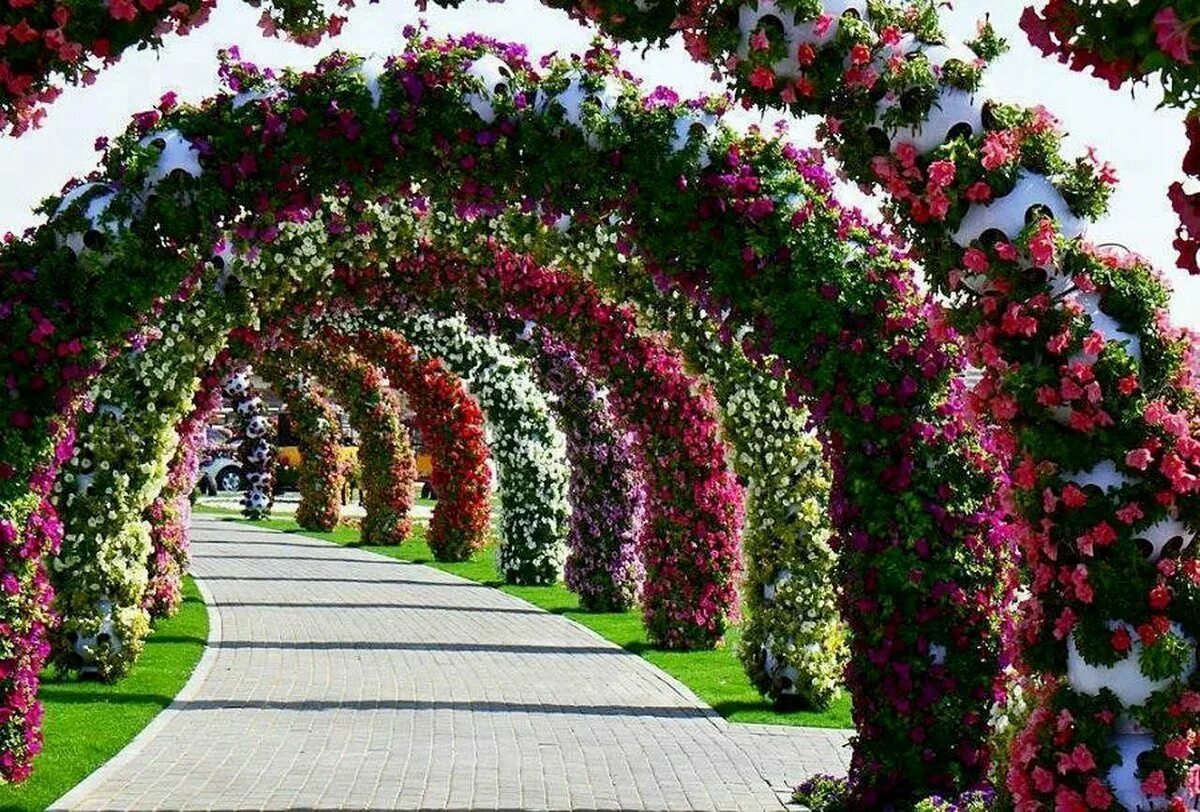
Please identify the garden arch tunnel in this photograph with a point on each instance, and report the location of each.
(756, 227)
(811, 59)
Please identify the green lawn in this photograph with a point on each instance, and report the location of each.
(716, 676)
(89, 722)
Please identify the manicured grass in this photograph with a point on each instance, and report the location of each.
(87, 723)
(716, 676)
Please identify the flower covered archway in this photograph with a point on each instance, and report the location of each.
(745, 218)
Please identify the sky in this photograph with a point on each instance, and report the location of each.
(1144, 143)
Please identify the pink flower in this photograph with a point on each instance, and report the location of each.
(1097, 795)
(906, 153)
(122, 10)
(9, 584)
(975, 260)
(998, 149)
(1173, 35)
(1155, 784)
(1043, 779)
(1139, 458)
(979, 192)
(941, 173)
(1178, 749)
(1042, 243)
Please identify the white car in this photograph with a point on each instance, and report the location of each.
(221, 474)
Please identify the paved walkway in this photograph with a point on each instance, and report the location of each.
(336, 678)
(286, 504)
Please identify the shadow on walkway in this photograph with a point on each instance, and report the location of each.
(377, 645)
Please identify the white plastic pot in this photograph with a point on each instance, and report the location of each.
(1125, 678)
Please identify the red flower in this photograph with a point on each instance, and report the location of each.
(1155, 784)
(122, 10)
(762, 78)
(1160, 598)
(1121, 640)
(1097, 794)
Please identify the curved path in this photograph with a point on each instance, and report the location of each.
(336, 678)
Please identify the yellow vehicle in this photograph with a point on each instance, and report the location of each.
(289, 456)
(287, 453)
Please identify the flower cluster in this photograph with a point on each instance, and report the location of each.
(171, 510)
(1122, 41)
(49, 40)
(27, 606)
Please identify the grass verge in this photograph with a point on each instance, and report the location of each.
(87, 723)
(715, 676)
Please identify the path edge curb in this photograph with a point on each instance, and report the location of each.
(75, 796)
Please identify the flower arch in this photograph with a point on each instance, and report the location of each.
(526, 443)
(607, 487)
(385, 454)
(756, 226)
(322, 471)
(451, 426)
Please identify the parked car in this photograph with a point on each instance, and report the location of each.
(221, 474)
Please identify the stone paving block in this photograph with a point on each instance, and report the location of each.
(346, 680)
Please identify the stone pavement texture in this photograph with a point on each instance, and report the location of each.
(286, 504)
(339, 679)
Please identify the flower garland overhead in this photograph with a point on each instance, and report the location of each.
(170, 512)
(745, 217)
(1122, 41)
(45, 41)
(384, 452)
